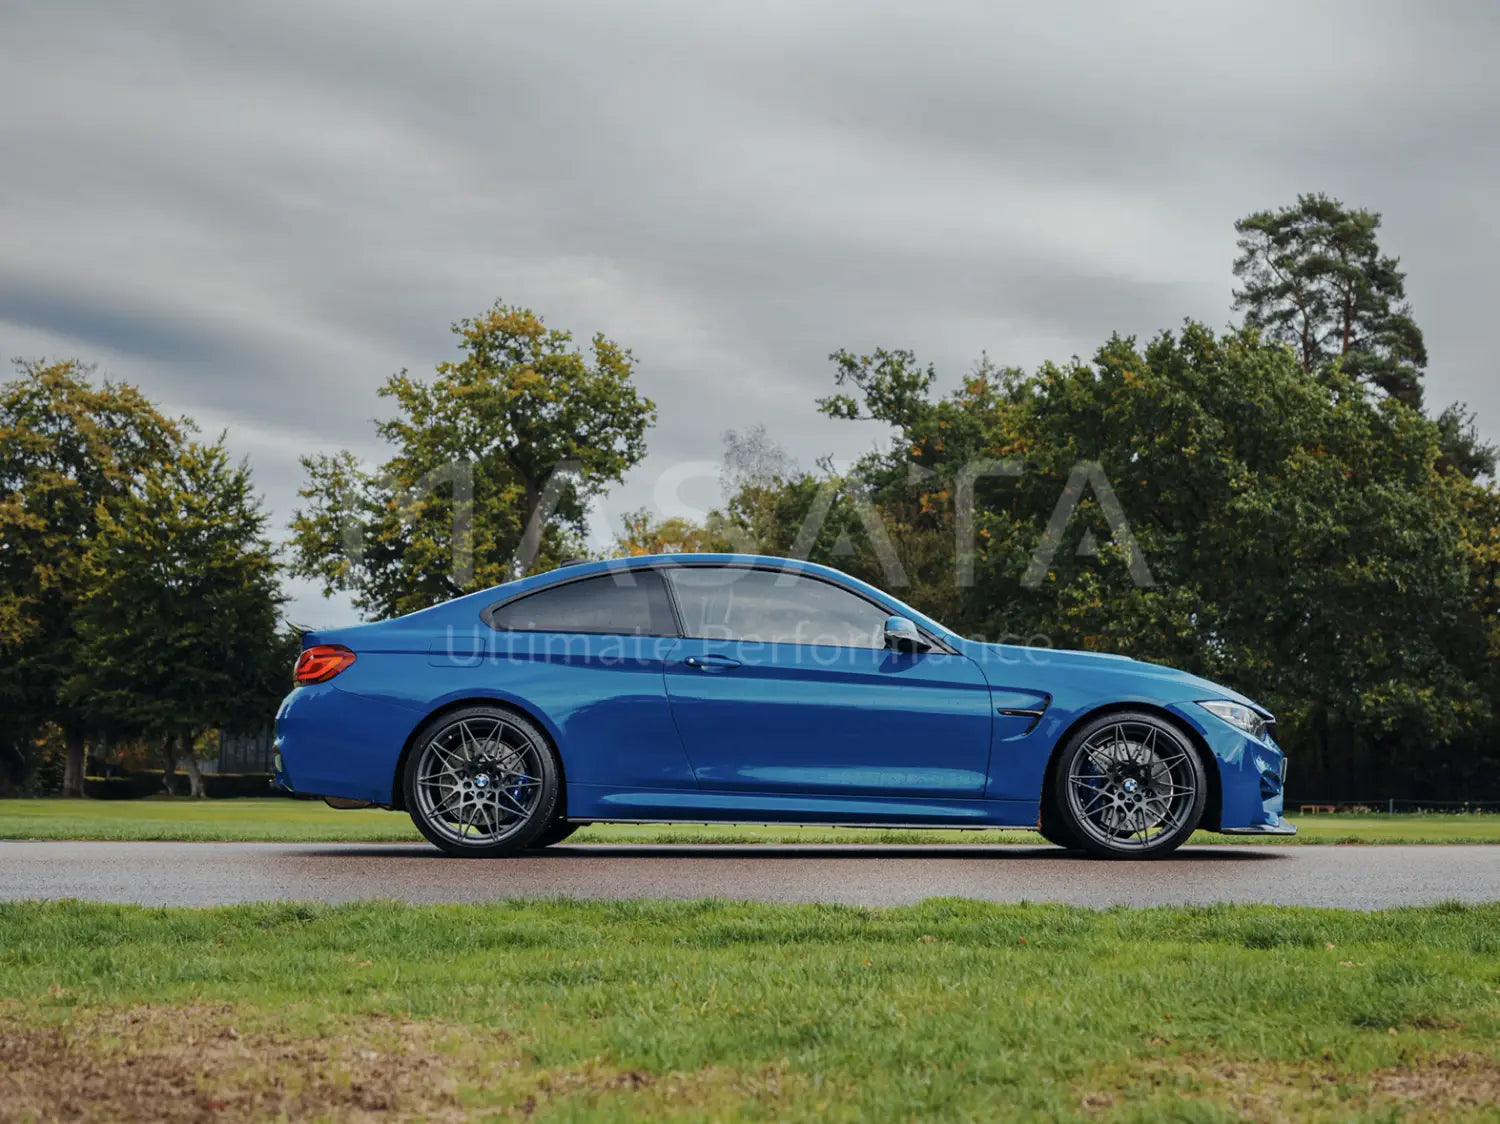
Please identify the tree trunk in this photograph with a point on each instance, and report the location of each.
(532, 532)
(1359, 763)
(190, 761)
(73, 768)
(168, 764)
(15, 768)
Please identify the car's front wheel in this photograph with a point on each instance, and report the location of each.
(1129, 786)
(482, 782)
(556, 833)
(1052, 830)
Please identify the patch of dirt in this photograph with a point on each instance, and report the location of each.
(191, 1063)
(180, 1064)
(1444, 1084)
(1438, 1087)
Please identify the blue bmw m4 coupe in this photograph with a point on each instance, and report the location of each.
(744, 689)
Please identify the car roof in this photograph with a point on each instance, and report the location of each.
(638, 561)
(648, 561)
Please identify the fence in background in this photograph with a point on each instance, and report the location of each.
(1393, 805)
(242, 751)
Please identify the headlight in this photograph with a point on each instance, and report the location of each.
(1238, 715)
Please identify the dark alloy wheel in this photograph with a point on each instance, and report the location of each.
(482, 782)
(1129, 786)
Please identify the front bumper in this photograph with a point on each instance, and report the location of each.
(1277, 827)
(1252, 777)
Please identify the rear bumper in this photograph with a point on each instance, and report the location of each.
(336, 743)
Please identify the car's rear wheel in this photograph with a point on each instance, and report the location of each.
(482, 781)
(1129, 786)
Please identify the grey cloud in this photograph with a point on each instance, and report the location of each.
(105, 321)
(259, 213)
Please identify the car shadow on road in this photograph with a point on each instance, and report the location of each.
(821, 851)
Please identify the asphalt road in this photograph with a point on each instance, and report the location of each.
(1372, 877)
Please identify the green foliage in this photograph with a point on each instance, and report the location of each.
(891, 385)
(1463, 450)
(1222, 504)
(1314, 277)
(179, 622)
(645, 533)
(137, 593)
(474, 451)
(1302, 541)
(32, 764)
(69, 451)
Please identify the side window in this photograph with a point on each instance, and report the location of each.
(725, 603)
(632, 603)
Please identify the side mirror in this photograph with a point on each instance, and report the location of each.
(901, 635)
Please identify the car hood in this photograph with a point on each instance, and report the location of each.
(1153, 678)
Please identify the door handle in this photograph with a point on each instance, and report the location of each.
(712, 662)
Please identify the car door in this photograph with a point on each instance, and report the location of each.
(587, 655)
(782, 683)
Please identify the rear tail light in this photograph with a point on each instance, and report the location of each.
(321, 663)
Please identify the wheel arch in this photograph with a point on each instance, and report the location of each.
(1213, 806)
(530, 713)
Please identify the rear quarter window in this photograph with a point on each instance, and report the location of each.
(623, 603)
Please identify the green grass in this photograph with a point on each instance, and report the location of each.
(570, 1010)
(311, 821)
(245, 819)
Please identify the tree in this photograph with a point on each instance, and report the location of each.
(1304, 542)
(70, 450)
(644, 533)
(495, 460)
(1314, 277)
(179, 626)
(1464, 451)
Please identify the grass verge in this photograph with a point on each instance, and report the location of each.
(575, 1010)
(311, 821)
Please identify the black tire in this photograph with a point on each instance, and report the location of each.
(556, 833)
(1052, 830)
(1129, 785)
(482, 782)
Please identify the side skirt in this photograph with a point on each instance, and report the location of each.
(927, 826)
(1280, 827)
(603, 804)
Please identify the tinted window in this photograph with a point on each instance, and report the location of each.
(630, 603)
(724, 603)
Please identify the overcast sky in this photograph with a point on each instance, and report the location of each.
(259, 215)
